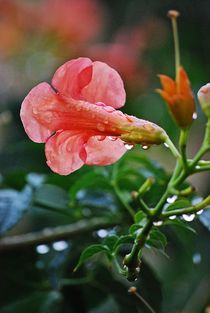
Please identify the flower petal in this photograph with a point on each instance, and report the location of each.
(72, 77)
(65, 152)
(105, 86)
(168, 84)
(104, 152)
(39, 97)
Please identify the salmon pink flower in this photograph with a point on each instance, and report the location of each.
(78, 120)
(179, 97)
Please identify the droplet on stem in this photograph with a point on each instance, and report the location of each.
(171, 199)
(172, 217)
(129, 146)
(188, 217)
(145, 147)
(158, 223)
(194, 116)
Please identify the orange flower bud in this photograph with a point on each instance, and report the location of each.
(179, 97)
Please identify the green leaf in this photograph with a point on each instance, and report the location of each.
(91, 251)
(126, 239)
(51, 196)
(110, 241)
(179, 204)
(179, 223)
(13, 205)
(134, 228)
(157, 239)
(139, 216)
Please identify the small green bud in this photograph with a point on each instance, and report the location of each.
(204, 99)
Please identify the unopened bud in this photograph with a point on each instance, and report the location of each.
(132, 290)
(173, 14)
(139, 131)
(204, 99)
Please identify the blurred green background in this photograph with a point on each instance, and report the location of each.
(134, 37)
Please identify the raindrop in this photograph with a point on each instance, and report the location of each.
(102, 233)
(93, 115)
(196, 258)
(60, 245)
(35, 111)
(109, 109)
(106, 122)
(145, 147)
(100, 104)
(171, 199)
(194, 116)
(158, 223)
(188, 217)
(128, 146)
(200, 212)
(112, 138)
(166, 145)
(101, 138)
(172, 217)
(100, 127)
(42, 249)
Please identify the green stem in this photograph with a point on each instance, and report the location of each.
(192, 209)
(183, 144)
(172, 147)
(176, 47)
(55, 234)
(145, 207)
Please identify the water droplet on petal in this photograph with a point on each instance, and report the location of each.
(200, 212)
(188, 217)
(100, 104)
(172, 199)
(145, 147)
(128, 146)
(166, 145)
(112, 138)
(194, 116)
(100, 127)
(35, 111)
(101, 138)
(196, 258)
(108, 109)
(93, 115)
(172, 217)
(106, 122)
(158, 223)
